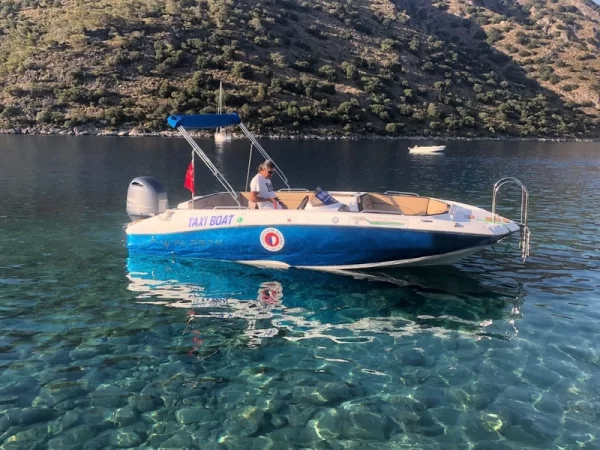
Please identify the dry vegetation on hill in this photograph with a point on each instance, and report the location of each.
(450, 67)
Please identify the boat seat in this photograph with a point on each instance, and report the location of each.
(437, 207)
(244, 199)
(403, 204)
(292, 199)
(364, 202)
(219, 200)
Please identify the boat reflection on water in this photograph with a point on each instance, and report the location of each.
(345, 307)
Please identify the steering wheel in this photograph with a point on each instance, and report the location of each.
(303, 203)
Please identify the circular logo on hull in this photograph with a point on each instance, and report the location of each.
(272, 239)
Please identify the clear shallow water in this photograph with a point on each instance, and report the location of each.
(101, 351)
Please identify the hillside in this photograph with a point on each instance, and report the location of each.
(403, 67)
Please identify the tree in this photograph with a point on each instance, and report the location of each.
(387, 45)
(241, 70)
(165, 89)
(349, 69)
(432, 111)
(393, 128)
(278, 59)
(328, 72)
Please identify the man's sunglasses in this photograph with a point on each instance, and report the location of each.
(271, 171)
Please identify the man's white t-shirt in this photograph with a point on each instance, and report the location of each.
(264, 187)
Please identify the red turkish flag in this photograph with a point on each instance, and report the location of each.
(189, 178)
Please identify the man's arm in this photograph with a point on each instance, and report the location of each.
(254, 197)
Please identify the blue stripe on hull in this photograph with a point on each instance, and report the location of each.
(307, 245)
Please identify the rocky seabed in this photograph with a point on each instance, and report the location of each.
(145, 399)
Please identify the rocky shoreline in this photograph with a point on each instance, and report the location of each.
(34, 131)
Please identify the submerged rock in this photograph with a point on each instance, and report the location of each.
(26, 438)
(124, 438)
(8, 399)
(71, 438)
(278, 421)
(322, 394)
(187, 416)
(29, 416)
(244, 421)
(69, 419)
(58, 391)
(179, 440)
(145, 403)
(108, 396)
(125, 416)
(327, 425)
(299, 415)
(5, 424)
(369, 426)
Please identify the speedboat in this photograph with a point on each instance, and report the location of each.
(323, 230)
(427, 150)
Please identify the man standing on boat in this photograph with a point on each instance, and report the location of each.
(262, 193)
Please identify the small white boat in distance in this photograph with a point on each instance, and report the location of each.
(427, 150)
(222, 136)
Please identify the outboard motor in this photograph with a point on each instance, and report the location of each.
(146, 197)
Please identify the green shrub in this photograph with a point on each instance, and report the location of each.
(328, 72)
(73, 95)
(303, 66)
(387, 45)
(392, 128)
(349, 69)
(241, 70)
(44, 116)
(165, 90)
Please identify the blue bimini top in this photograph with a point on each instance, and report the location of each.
(204, 120)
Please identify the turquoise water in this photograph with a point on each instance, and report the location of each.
(98, 350)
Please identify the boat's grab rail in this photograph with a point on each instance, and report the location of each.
(524, 243)
(413, 194)
(293, 190)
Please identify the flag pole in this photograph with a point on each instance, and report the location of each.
(194, 178)
(189, 179)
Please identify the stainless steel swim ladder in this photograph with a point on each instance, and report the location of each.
(524, 243)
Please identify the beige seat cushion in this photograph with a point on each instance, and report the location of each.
(405, 204)
(437, 207)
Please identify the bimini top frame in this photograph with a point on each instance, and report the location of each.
(198, 121)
